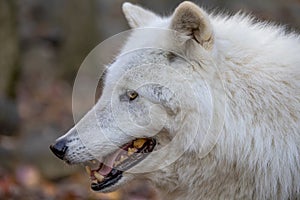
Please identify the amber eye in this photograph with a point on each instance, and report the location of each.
(132, 94)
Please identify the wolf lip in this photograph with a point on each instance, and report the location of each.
(107, 175)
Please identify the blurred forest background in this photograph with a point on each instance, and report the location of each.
(42, 44)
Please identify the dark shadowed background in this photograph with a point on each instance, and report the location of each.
(42, 44)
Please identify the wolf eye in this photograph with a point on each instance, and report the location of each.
(132, 94)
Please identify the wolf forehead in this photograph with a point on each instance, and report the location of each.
(143, 56)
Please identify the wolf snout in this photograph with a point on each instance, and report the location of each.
(59, 148)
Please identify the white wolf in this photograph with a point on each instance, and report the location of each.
(256, 155)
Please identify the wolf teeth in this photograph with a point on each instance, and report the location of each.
(94, 181)
(131, 151)
(98, 176)
(88, 170)
(123, 158)
(139, 143)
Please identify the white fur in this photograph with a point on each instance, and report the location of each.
(257, 155)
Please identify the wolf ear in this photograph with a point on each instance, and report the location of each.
(137, 16)
(192, 21)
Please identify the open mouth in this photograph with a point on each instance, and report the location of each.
(121, 160)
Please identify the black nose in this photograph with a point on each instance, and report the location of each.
(59, 148)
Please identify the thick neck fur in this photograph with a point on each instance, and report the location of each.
(208, 178)
(215, 178)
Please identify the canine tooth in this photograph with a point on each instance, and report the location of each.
(139, 143)
(131, 151)
(94, 161)
(88, 170)
(98, 176)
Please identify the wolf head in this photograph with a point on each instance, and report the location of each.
(156, 104)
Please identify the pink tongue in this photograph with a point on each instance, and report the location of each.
(108, 162)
